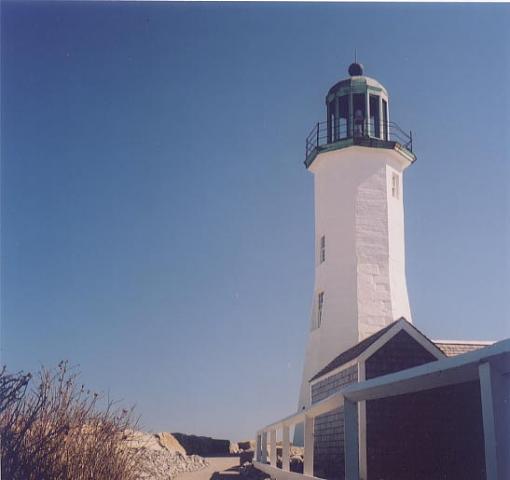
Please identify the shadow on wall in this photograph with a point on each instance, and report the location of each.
(203, 446)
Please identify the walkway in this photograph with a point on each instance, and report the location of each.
(219, 468)
(224, 468)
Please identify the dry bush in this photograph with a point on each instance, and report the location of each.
(52, 429)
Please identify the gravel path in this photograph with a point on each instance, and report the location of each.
(219, 468)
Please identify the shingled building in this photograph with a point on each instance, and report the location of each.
(397, 347)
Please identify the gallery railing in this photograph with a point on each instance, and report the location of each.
(361, 133)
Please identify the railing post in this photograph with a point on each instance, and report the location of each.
(351, 448)
(272, 447)
(495, 397)
(411, 139)
(285, 449)
(263, 457)
(258, 448)
(367, 131)
(309, 446)
(317, 145)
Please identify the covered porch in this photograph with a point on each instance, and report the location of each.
(473, 387)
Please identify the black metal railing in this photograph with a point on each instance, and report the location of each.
(324, 134)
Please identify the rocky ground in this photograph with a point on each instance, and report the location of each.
(161, 457)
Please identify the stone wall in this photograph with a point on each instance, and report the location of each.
(374, 305)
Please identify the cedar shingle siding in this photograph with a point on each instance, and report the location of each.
(429, 435)
(453, 349)
(399, 353)
(333, 383)
(329, 428)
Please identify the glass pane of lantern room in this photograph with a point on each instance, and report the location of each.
(375, 124)
(331, 120)
(358, 105)
(334, 108)
(385, 119)
(343, 117)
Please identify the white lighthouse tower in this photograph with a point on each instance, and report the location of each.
(357, 158)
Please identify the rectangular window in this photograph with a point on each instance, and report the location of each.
(395, 187)
(320, 306)
(322, 249)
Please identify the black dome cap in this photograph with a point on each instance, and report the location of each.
(355, 69)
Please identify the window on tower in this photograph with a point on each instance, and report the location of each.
(322, 249)
(395, 185)
(320, 306)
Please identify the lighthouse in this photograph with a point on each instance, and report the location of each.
(378, 398)
(358, 158)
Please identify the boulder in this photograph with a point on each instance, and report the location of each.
(170, 443)
(296, 464)
(159, 457)
(148, 441)
(203, 446)
(246, 456)
(297, 451)
(248, 445)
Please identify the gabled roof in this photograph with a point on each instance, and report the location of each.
(356, 350)
(353, 352)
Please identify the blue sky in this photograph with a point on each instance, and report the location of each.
(157, 220)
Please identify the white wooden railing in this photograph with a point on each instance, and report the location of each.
(306, 417)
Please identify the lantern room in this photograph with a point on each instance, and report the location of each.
(356, 107)
(357, 110)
